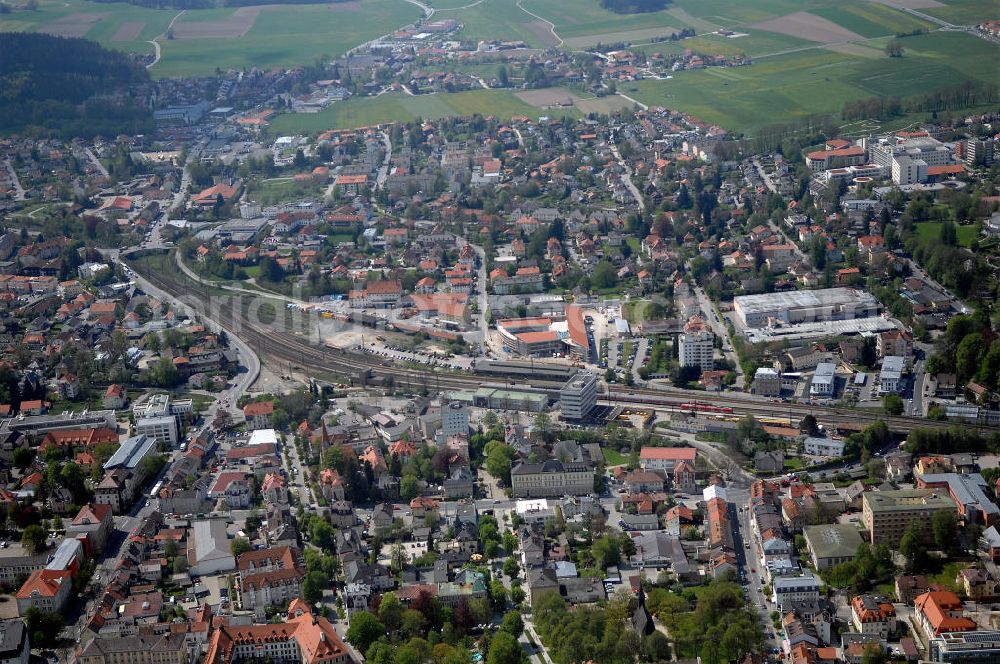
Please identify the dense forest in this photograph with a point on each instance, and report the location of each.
(57, 86)
(634, 6)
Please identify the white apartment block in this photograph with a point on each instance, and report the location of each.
(824, 380)
(159, 418)
(696, 344)
(789, 589)
(696, 350)
(829, 447)
(454, 420)
(578, 396)
(163, 429)
(907, 159)
(891, 375)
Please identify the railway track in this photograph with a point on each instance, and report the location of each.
(320, 359)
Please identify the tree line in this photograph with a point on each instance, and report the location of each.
(948, 98)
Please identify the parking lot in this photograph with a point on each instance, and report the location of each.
(433, 358)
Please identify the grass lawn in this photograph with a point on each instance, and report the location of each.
(930, 231)
(630, 308)
(793, 463)
(818, 81)
(399, 107)
(886, 590)
(199, 401)
(281, 190)
(613, 457)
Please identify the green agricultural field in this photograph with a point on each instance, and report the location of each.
(398, 107)
(731, 14)
(965, 12)
(818, 81)
(576, 18)
(97, 21)
(279, 36)
(869, 19)
(500, 20)
(754, 43)
(930, 61)
(445, 5)
(283, 36)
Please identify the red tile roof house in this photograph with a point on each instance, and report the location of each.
(258, 414)
(351, 184)
(312, 636)
(939, 611)
(331, 484)
(396, 235)
(34, 407)
(234, 487)
(45, 589)
(383, 293)
(73, 440)
(871, 614)
(208, 197)
(115, 396)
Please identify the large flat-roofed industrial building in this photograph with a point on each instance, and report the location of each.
(965, 647)
(832, 544)
(809, 306)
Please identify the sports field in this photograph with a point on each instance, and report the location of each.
(818, 81)
(399, 107)
(261, 36)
